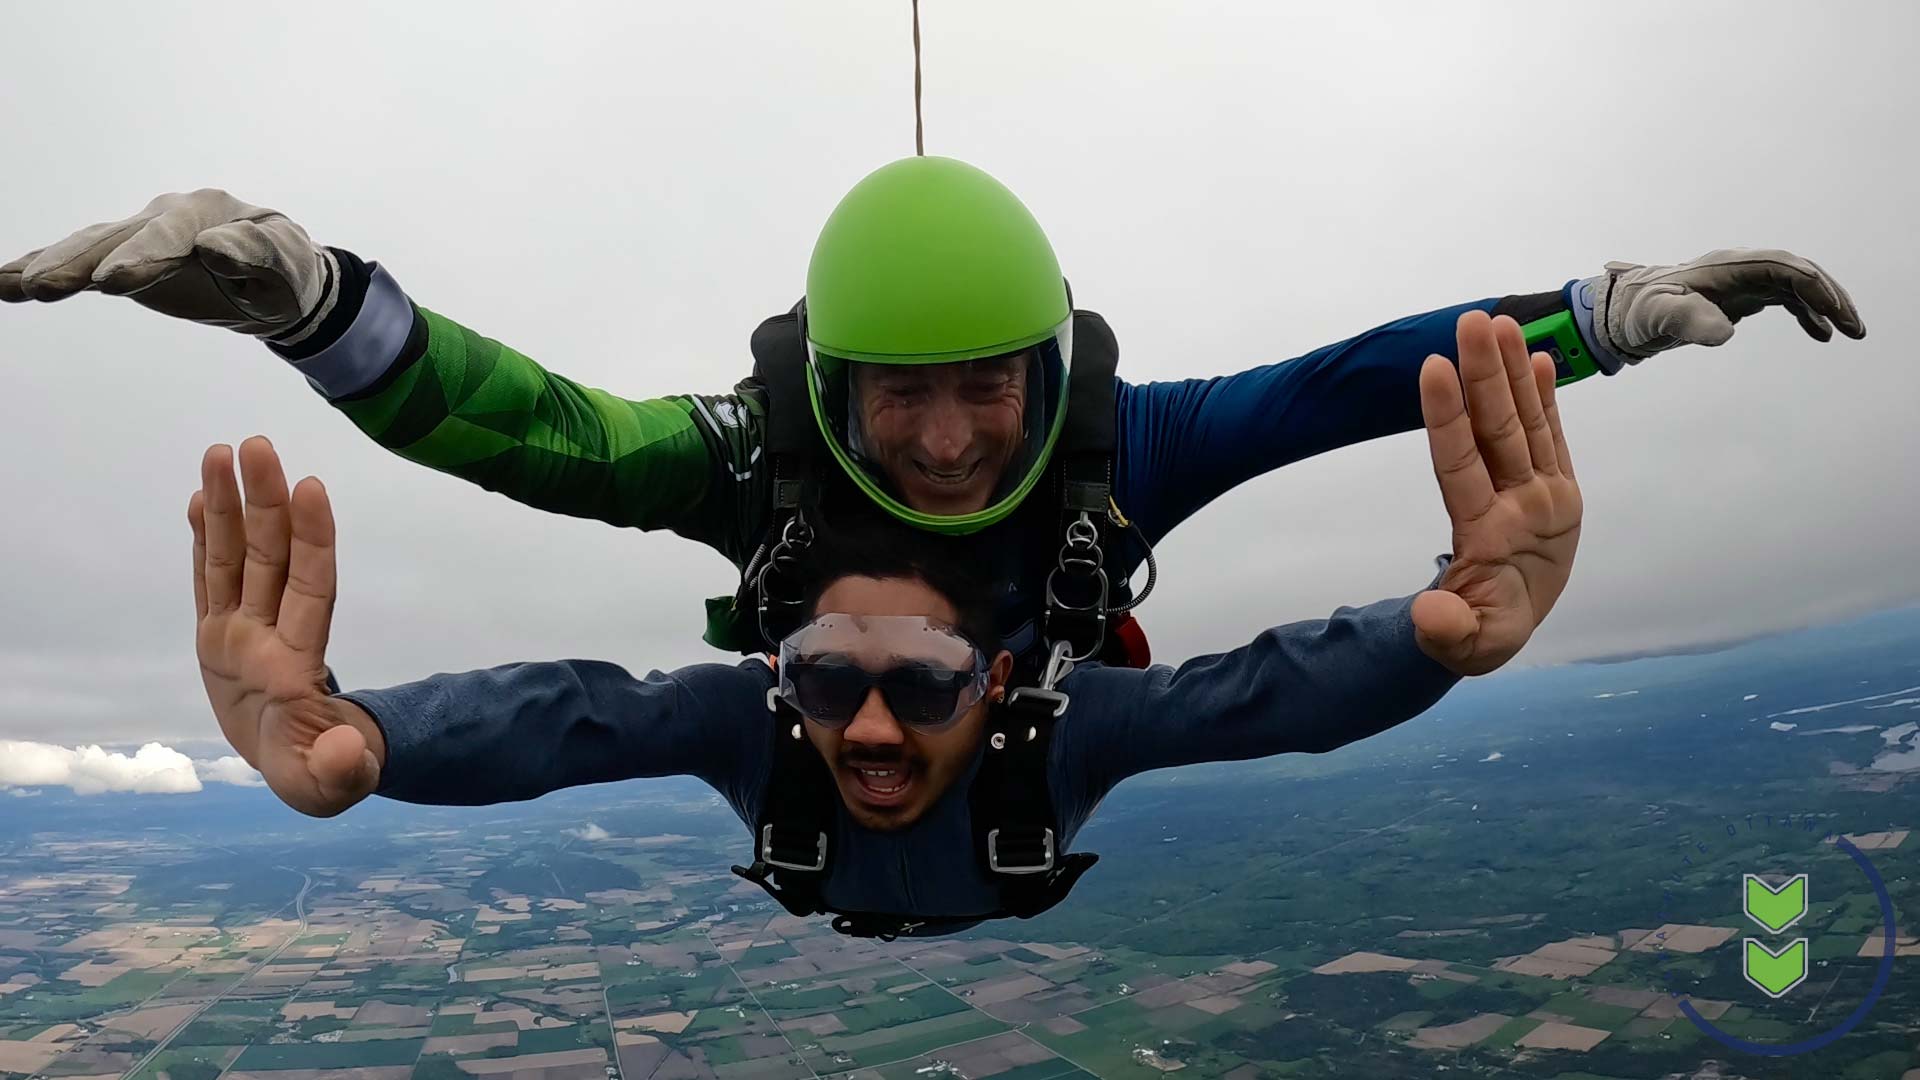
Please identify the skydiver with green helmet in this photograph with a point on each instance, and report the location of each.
(944, 373)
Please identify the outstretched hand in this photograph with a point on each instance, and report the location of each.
(263, 591)
(1507, 481)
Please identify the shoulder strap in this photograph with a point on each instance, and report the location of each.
(780, 363)
(1016, 830)
(1096, 356)
(1078, 594)
(793, 834)
(793, 447)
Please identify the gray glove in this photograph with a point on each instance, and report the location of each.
(204, 256)
(1641, 310)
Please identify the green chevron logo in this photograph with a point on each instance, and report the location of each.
(1775, 909)
(1775, 972)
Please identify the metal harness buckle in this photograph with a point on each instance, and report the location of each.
(766, 853)
(993, 855)
(1059, 663)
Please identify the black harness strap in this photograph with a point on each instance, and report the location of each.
(793, 838)
(1015, 829)
(793, 445)
(1089, 427)
(1078, 591)
(780, 363)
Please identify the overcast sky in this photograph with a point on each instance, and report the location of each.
(623, 190)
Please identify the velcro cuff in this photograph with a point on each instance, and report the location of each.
(369, 347)
(1580, 301)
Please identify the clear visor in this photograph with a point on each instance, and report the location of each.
(951, 442)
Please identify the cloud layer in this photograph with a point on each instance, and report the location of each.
(154, 769)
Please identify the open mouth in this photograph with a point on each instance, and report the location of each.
(947, 478)
(882, 785)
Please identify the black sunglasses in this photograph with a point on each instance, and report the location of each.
(927, 697)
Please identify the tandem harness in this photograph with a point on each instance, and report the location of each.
(1016, 837)
(1016, 832)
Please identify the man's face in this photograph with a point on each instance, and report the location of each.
(888, 773)
(943, 433)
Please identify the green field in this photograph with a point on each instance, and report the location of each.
(58, 1001)
(357, 1055)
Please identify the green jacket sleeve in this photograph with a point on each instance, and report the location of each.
(442, 395)
(482, 411)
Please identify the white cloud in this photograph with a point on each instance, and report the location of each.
(590, 832)
(89, 770)
(231, 769)
(154, 769)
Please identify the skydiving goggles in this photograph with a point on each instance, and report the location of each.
(929, 674)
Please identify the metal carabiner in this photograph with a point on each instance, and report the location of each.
(1082, 532)
(803, 539)
(795, 537)
(1059, 665)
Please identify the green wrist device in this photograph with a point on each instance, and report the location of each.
(1558, 337)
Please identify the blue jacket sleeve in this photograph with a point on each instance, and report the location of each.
(1183, 444)
(522, 730)
(1306, 687)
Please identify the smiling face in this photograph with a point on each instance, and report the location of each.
(944, 434)
(889, 773)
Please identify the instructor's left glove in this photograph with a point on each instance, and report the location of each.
(1633, 311)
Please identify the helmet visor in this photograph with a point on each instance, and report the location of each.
(952, 445)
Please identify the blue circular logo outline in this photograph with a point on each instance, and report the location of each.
(1816, 1042)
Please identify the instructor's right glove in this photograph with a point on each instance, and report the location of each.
(1636, 311)
(204, 256)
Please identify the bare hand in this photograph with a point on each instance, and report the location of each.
(1507, 481)
(263, 590)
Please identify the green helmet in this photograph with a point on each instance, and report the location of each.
(933, 293)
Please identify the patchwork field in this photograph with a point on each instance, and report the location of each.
(1415, 908)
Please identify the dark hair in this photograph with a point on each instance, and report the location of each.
(872, 544)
